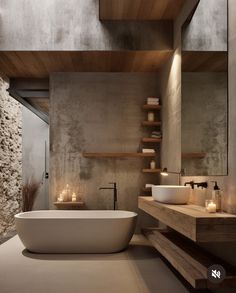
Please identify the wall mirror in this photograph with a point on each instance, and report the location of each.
(204, 108)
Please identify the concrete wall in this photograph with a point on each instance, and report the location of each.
(171, 100)
(35, 146)
(99, 112)
(10, 160)
(74, 25)
(204, 122)
(207, 30)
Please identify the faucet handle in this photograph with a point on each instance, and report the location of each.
(191, 183)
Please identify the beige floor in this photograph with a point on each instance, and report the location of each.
(138, 269)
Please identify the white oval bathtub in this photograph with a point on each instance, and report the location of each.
(75, 231)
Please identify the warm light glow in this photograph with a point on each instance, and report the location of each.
(164, 172)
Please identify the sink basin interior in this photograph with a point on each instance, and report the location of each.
(171, 194)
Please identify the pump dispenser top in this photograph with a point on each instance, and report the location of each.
(216, 196)
(216, 187)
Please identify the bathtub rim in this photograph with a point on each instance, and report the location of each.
(121, 214)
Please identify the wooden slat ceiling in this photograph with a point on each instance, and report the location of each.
(139, 9)
(204, 61)
(39, 64)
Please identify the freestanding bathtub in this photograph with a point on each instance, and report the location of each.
(75, 231)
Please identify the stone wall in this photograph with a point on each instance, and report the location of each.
(10, 160)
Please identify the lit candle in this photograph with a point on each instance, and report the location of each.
(211, 208)
(59, 199)
(73, 198)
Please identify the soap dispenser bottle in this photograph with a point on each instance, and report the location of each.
(216, 196)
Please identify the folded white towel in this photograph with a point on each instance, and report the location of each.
(152, 103)
(148, 150)
(155, 136)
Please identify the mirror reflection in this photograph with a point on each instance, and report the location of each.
(204, 97)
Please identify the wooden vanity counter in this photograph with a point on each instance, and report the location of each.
(192, 221)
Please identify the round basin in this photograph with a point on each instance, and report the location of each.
(171, 194)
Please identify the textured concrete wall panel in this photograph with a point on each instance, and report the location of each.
(74, 25)
(99, 112)
(204, 122)
(207, 30)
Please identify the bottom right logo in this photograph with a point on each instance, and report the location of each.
(216, 273)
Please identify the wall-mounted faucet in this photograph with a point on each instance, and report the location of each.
(202, 184)
(114, 188)
(191, 183)
(198, 184)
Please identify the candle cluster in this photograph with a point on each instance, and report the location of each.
(210, 206)
(67, 195)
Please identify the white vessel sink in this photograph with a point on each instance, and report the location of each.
(171, 194)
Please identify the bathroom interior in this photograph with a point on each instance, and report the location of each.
(117, 146)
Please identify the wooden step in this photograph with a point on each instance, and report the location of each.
(151, 123)
(190, 260)
(151, 107)
(151, 139)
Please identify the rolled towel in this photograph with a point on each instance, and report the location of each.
(148, 150)
(155, 136)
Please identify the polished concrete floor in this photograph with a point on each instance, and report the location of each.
(139, 269)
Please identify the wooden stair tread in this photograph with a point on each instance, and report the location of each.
(151, 123)
(151, 139)
(151, 107)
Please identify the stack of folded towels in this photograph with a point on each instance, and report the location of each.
(152, 101)
(156, 134)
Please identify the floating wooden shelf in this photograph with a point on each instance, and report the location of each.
(68, 203)
(151, 107)
(151, 139)
(151, 170)
(193, 155)
(149, 123)
(192, 221)
(118, 155)
(190, 260)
